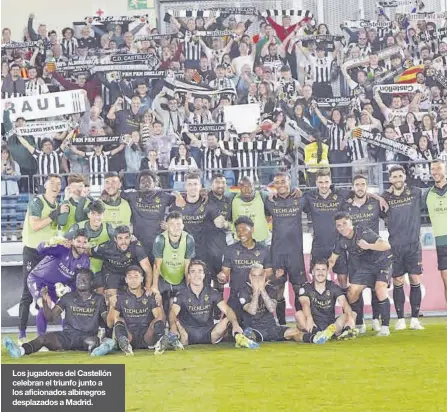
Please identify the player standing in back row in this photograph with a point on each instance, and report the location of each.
(287, 241)
(437, 209)
(404, 226)
(365, 211)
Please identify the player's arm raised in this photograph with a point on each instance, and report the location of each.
(305, 304)
(173, 313)
(231, 316)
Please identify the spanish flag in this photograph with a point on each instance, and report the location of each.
(409, 75)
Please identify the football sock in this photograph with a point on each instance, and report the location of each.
(308, 337)
(41, 322)
(375, 305)
(357, 307)
(28, 347)
(399, 300)
(217, 313)
(415, 300)
(281, 312)
(385, 309)
(159, 330)
(109, 332)
(120, 330)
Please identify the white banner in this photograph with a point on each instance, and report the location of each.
(46, 105)
(396, 3)
(427, 16)
(399, 88)
(43, 128)
(244, 117)
(384, 54)
(377, 139)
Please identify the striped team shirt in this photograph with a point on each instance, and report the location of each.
(191, 50)
(33, 88)
(321, 69)
(358, 149)
(69, 47)
(47, 163)
(98, 166)
(247, 155)
(336, 135)
(212, 162)
(181, 168)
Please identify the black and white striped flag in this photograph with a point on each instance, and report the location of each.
(193, 13)
(302, 14)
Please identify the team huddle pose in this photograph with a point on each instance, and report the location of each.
(161, 284)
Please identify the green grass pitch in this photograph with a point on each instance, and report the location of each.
(406, 371)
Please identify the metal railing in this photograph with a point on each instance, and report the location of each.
(377, 174)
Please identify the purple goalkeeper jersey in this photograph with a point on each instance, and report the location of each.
(58, 265)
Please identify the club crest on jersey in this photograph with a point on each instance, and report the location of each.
(257, 253)
(407, 191)
(328, 293)
(206, 298)
(144, 301)
(157, 200)
(335, 197)
(295, 202)
(175, 255)
(189, 300)
(201, 208)
(126, 302)
(128, 254)
(370, 207)
(237, 253)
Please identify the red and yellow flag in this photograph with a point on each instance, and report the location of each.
(409, 75)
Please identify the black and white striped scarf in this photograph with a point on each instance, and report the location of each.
(193, 13)
(303, 14)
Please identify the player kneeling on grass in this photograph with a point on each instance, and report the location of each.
(259, 308)
(56, 271)
(191, 315)
(83, 311)
(316, 305)
(135, 317)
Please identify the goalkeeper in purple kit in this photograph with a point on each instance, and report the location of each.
(57, 271)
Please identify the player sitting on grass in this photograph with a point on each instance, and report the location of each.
(317, 302)
(259, 308)
(83, 310)
(56, 271)
(135, 317)
(191, 316)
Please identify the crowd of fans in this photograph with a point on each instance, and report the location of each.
(164, 103)
(289, 68)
